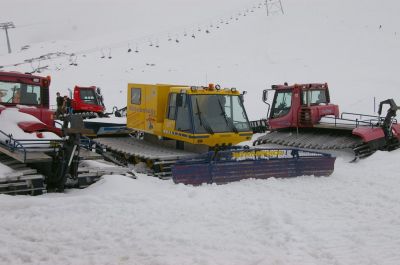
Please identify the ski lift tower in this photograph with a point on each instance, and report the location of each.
(273, 6)
(6, 26)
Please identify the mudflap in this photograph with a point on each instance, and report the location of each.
(229, 166)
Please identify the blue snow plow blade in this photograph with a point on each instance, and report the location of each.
(106, 128)
(234, 165)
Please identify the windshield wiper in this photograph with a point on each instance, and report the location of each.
(203, 122)
(228, 121)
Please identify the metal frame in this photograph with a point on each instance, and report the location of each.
(17, 145)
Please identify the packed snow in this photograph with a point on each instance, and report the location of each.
(351, 217)
(347, 218)
(9, 119)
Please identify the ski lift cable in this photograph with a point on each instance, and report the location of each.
(166, 32)
(117, 45)
(142, 39)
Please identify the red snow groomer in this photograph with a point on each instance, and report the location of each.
(37, 159)
(88, 101)
(302, 115)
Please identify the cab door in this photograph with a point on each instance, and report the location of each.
(281, 112)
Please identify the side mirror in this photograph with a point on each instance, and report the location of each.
(265, 95)
(241, 98)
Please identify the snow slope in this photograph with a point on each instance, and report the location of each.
(351, 217)
(348, 218)
(338, 42)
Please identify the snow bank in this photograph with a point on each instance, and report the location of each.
(5, 170)
(9, 119)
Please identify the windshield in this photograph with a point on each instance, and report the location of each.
(218, 113)
(17, 93)
(89, 96)
(282, 104)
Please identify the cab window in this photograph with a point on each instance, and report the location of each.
(171, 113)
(282, 104)
(315, 97)
(17, 93)
(136, 95)
(183, 118)
(87, 95)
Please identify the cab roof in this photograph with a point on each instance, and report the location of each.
(205, 90)
(309, 86)
(19, 74)
(24, 78)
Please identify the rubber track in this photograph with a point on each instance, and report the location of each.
(312, 140)
(156, 153)
(22, 181)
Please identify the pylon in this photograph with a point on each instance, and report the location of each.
(273, 6)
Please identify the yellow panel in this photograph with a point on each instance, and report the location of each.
(142, 116)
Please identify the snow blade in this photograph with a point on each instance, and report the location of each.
(234, 165)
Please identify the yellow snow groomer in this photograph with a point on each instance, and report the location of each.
(195, 118)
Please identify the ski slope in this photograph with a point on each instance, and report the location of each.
(351, 217)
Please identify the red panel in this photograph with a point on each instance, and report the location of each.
(44, 115)
(324, 110)
(32, 126)
(281, 122)
(369, 134)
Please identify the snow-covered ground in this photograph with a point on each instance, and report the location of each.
(351, 217)
(347, 218)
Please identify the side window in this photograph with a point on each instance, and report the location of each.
(171, 114)
(136, 96)
(28, 94)
(35, 94)
(314, 97)
(239, 115)
(318, 96)
(183, 119)
(304, 97)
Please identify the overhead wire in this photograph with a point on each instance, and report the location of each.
(165, 34)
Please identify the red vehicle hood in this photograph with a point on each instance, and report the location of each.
(31, 126)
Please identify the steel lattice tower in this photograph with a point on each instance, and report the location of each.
(6, 26)
(273, 6)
